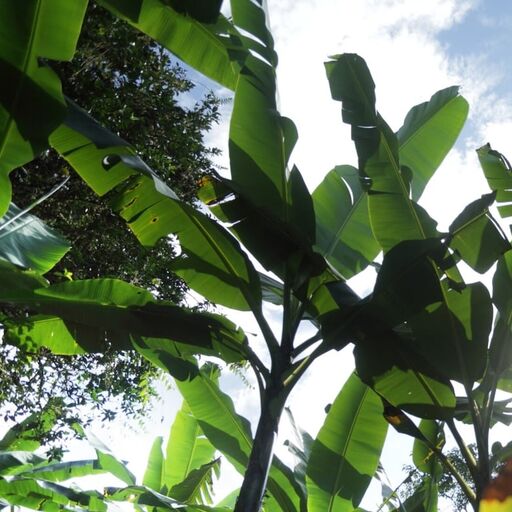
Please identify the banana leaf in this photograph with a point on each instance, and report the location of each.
(31, 101)
(346, 452)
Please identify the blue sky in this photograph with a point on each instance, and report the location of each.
(485, 30)
(484, 37)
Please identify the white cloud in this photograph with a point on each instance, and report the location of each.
(498, 134)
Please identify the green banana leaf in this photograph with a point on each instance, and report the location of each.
(455, 324)
(346, 452)
(450, 326)
(497, 169)
(31, 101)
(386, 357)
(154, 468)
(185, 474)
(197, 486)
(149, 497)
(399, 374)
(107, 460)
(30, 481)
(275, 243)
(476, 237)
(79, 316)
(212, 48)
(268, 207)
(187, 449)
(429, 131)
(203, 46)
(502, 280)
(393, 215)
(16, 462)
(231, 434)
(213, 264)
(453, 335)
(62, 471)
(407, 281)
(48, 496)
(27, 242)
(260, 140)
(499, 368)
(343, 233)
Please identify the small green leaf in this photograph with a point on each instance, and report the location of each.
(31, 101)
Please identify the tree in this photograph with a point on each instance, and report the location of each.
(421, 329)
(129, 83)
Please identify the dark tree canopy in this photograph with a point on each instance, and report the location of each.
(132, 86)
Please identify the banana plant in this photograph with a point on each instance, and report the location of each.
(420, 330)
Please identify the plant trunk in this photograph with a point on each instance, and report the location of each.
(253, 487)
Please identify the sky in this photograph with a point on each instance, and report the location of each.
(413, 48)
